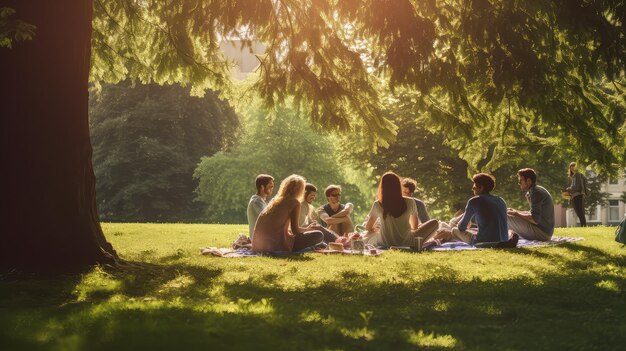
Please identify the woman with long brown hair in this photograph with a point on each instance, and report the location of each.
(277, 227)
(397, 214)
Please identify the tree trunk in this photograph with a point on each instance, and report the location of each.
(49, 218)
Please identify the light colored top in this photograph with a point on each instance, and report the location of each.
(271, 232)
(306, 212)
(255, 206)
(394, 231)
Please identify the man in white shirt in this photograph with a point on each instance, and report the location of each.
(264, 188)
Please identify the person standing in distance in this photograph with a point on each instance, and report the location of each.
(577, 192)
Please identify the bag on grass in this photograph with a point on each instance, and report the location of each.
(620, 232)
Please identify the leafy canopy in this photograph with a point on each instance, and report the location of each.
(482, 69)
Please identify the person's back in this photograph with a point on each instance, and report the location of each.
(542, 208)
(255, 206)
(264, 186)
(271, 232)
(489, 212)
(395, 231)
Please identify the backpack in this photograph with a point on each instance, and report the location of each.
(620, 232)
(586, 190)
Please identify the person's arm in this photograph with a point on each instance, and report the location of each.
(413, 221)
(525, 215)
(294, 216)
(467, 216)
(332, 220)
(347, 210)
(371, 219)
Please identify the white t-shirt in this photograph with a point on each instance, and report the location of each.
(394, 231)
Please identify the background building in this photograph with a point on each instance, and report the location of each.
(245, 58)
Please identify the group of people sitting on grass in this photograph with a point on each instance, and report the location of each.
(287, 222)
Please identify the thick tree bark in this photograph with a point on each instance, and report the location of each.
(49, 218)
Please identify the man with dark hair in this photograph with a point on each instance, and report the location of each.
(307, 214)
(408, 188)
(334, 214)
(489, 212)
(264, 188)
(538, 223)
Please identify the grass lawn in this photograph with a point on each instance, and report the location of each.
(568, 297)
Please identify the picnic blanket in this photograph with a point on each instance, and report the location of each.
(456, 245)
(245, 252)
(449, 246)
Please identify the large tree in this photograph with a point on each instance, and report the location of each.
(464, 60)
(49, 217)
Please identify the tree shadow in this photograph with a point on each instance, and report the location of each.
(138, 305)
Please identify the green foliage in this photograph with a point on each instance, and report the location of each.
(147, 140)
(13, 30)
(177, 299)
(423, 152)
(278, 144)
(492, 74)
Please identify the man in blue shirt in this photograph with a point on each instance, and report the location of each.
(489, 212)
(538, 223)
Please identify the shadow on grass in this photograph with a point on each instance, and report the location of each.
(589, 256)
(171, 307)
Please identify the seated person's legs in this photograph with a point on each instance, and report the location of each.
(465, 236)
(307, 239)
(427, 229)
(348, 226)
(526, 230)
(329, 235)
(442, 235)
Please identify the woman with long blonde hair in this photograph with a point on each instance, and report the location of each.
(277, 227)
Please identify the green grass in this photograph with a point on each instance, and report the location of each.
(568, 297)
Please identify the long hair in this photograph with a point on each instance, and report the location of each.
(390, 195)
(569, 169)
(290, 187)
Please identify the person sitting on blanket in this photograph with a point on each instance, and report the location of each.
(264, 188)
(307, 212)
(398, 216)
(538, 223)
(335, 214)
(408, 188)
(277, 227)
(489, 213)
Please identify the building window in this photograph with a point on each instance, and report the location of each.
(614, 211)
